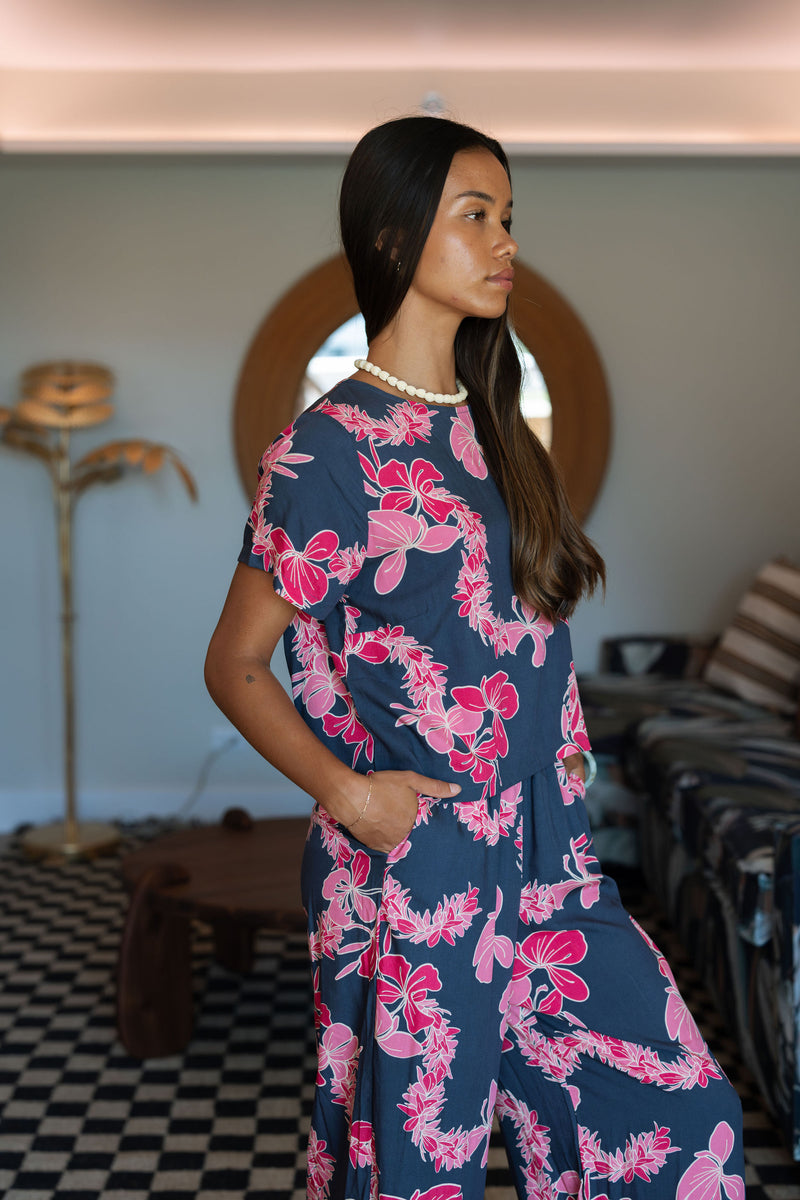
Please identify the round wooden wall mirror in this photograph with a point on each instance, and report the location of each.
(275, 366)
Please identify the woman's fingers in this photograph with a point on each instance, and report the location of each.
(432, 787)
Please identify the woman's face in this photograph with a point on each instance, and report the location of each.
(465, 268)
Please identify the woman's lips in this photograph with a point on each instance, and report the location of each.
(503, 279)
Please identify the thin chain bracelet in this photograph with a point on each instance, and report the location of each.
(364, 809)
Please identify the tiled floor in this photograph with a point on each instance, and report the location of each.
(227, 1119)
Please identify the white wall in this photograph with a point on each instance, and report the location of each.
(687, 274)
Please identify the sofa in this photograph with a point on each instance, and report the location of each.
(712, 780)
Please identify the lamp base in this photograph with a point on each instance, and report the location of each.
(86, 839)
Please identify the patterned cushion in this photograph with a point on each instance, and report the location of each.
(758, 655)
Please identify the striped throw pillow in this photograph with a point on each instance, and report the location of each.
(758, 655)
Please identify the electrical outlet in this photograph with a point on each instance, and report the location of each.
(223, 736)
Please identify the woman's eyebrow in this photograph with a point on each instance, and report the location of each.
(482, 196)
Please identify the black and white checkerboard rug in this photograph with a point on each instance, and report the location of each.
(226, 1120)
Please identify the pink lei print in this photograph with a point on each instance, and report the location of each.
(476, 953)
(465, 445)
(412, 512)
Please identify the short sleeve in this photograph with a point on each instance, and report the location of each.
(308, 522)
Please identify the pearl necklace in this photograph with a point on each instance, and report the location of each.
(459, 397)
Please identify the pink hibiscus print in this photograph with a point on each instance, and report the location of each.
(705, 1179)
(440, 726)
(440, 1191)
(403, 487)
(491, 946)
(303, 583)
(681, 1025)
(555, 953)
(464, 443)
(362, 1150)
(530, 624)
(393, 534)
(479, 758)
(320, 685)
(338, 1053)
(399, 985)
(573, 726)
(495, 695)
(345, 888)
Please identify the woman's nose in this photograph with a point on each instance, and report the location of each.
(508, 247)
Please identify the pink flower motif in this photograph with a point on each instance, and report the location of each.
(347, 726)
(338, 1053)
(345, 889)
(705, 1178)
(568, 1181)
(440, 726)
(403, 487)
(497, 696)
(537, 903)
(464, 443)
(320, 1168)
(491, 826)
(681, 1025)
(362, 1149)
(319, 685)
(439, 1191)
(347, 562)
(553, 952)
(573, 726)
(390, 1037)
(397, 983)
(392, 534)
(514, 1003)
(530, 625)
(479, 759)
(644, 1155)
(492, 946)
(412, 421)
(586, 874)
(278, 457)
(303, 582)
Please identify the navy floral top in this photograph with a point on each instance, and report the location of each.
(410, 650)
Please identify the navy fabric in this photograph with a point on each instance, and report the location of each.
(485, 966)
(380, 522)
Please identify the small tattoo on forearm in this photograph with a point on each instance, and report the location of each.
(250, 678)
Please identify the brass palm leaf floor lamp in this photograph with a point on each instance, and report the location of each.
(58, 398)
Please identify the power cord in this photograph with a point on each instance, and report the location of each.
(232, 739)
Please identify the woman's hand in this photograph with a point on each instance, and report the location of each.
(239, 679)
(392, 810)
(576, 765)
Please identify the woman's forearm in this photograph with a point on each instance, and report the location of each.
(251, 697)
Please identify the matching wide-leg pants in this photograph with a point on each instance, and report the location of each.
(487, 966)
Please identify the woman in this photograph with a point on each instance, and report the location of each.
(415, 549)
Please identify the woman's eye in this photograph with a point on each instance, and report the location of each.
(478, 215)
(507, 224)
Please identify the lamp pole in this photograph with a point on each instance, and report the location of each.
(67, 838)
(58, 397)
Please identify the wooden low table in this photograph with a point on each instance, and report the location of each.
(238, 876)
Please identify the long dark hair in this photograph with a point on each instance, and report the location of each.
(389, 196)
